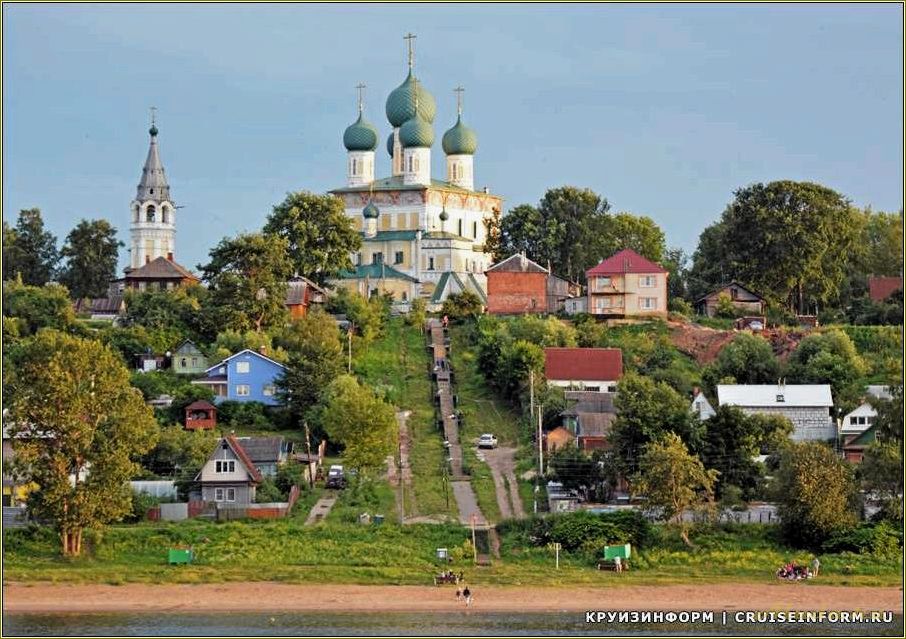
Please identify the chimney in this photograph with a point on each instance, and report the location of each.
(263, 350)
(170, 256)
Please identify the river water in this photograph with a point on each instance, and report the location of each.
(467, 623)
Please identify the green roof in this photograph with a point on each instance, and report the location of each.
(460, 140)
(371, 211)
(441, 285)
(360, 136)
(401, 102)
(445, 235)
(478, 290)
(416, 132)
(470, 285)
(866, 438)
(375, 272)
(389, 236)
(395, 183)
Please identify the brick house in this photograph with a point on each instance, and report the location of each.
(589, 369)
(627, 285)
(519, 285)
(880, 288)
(809, 407)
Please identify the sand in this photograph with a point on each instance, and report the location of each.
(268, 596)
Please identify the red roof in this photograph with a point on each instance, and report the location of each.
(244, 458)
(583, 364)
(201, 405)
(626, 261)
(880, 288)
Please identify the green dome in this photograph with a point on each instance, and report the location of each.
(390, 144)
(444, 216)
(371, 212)
(460, 140)
(360, 136)
(416, 133)
(153, 131)
(401, 102)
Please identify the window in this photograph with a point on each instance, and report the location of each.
(780, 399)
(225, 466)
(475, 230)
(603, 283)
(861, 421)
(459, 228)
(182, 362)
(405, 296)
(354, 166)
(430, 263)
(194, 361)
(268, 390)
(165, 214)
(647, 281)
(358, 259)
(377, 258)
(648, 303)
(242, 367)
(410, 164)
(398, 257)
(853, 421)
(242, 390)
(149, 212)
(224, 494)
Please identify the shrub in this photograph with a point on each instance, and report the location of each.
(877, 539)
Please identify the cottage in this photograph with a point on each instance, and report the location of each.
(229, 475)
(146, 362)
(809, 407)
(860, 419)
(201, 415)
(189, 360)
(701, 407)
(589, 417)
(854, 445)
(591, 369)
(625, 285)
(880, 288)
(744, 300)
(301, 293)
(161, 273)
(519, 285)
(246, 376)
(267, 453)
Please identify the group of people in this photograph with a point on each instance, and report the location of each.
(464, 595)
(794, 571)
(449, 575)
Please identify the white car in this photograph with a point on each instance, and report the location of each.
(487, 441)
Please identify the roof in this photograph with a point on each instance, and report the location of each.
(375, 272)
(583, 364)
(517, 263)
(244, 458)
(245, 350)
(726, 286)
(200, 404)
(160, 269)
(295, 290)
(395, 183)
(445, 235)
(626, 261)
(765, 395)
(595, 424)
(262, 449)
(110, 304)
(866, 438)
(448, 278)
(588, 402)
(878, 391)
(880, 288)
(390, 236)
(153, 184)
(187, 342)
(580, 396)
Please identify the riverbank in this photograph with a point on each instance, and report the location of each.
(277, 597)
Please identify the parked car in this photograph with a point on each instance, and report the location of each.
(487, 441)
(336, 477)
(756, 326)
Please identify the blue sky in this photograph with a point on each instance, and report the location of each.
(663, 109)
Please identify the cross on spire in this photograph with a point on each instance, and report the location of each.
(459, 91)
(153, 115)
(360, 87)
(410, 41)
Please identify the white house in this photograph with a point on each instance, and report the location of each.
(862, 417)
(701, 406)
(809, 407)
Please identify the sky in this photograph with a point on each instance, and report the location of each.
(664, 110)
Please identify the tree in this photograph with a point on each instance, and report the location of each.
(364, 424)
(460, 306)
(178, 308)
(316, 359)
(889, 422)
(645, 411)
(637, 232)
(677, 264)
(37, 307)
(575, 469)
(417, 314)
(91, 252)
(367, 316)
(77, 425)
(247, 276)
(674, 481)
(319, 236)
(881, 243)
(29, 250)
(493, 242)
(816, 493)
(748, 359)
(179, 453)
(881, 472)
(829, 358)
(790, 240)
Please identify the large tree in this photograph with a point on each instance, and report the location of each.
(748, 359)
(319, 236)
(788, 240)
(881, 472)
(637, 232)
(247, 276)
(36, 307)
(77, 425)
(830, 358)
(674, 481)
(28, 250)
(91, 252)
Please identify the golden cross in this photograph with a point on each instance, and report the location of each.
(459, 91)
(409, 38)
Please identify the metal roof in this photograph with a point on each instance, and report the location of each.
(765, 395)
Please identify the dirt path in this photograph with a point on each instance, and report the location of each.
(502, 462)
(398, 468)
(321, 509)
(268, 596)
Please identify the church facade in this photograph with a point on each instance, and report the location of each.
(421, 237)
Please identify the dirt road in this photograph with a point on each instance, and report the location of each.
(502, 463)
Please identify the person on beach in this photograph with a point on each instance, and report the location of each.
(468, 595)
(458, 594)
(617, 564)
(816, 566)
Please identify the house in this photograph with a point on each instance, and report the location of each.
(576, 305)
(301, 293)
(267, 453)
(229, 475)
(161, 273)
(146, 362)
(880, 288)
(809, 407)
(593, 429)
(187, 359)
(108, 308)
(246, 376)
(626, 285)
(854, 445)
(593, 369)
(860, 419)
(744, 300)
(519, 285)
(201, 415)
(701, 406)
(589, 417)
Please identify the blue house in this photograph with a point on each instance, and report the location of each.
(246, 376)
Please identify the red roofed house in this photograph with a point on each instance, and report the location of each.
(590, 369)
(201, 415)
(880, 288)
(161, 273)
(229, 475)
(626, 284)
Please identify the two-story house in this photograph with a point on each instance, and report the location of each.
(626, 285)
(229, 475)
(246, 376)
(187, 359)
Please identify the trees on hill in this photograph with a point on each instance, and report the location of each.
(748, 359)
(91, 252)
(29, 251)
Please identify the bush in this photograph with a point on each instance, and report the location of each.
(462, 306)
(141, 504)
(246, 415)
(878, 539)
(582, 531)
(268, 493)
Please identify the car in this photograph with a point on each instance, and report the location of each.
(756, 326)
(487, 441)
(336, 477)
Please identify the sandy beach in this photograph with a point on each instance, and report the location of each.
(267, 596)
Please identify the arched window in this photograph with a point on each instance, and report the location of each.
(135, 214)
(165, 214)
(150, 213)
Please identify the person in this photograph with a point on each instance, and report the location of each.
(446, 321)
(458, 594)
(468, 595)
(617, 564)
(816, 566)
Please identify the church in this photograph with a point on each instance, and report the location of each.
(421, 237)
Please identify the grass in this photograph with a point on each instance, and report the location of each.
(284, 550)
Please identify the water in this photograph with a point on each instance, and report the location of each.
(398, 624)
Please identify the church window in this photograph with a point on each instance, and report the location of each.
(430, 263)
(459, 228)
(475, 230)
(405, 296)
(398, 258)
(165, 215)
(410, 164)
(377, 258)
(150, 213)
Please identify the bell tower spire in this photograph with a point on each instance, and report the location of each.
(153, 227)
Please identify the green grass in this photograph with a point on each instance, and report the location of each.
(482, 485)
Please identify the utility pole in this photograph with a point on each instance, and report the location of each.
(540, 441)
(474, 547)
(400, 480)
(349, 349)
(531, 390)
(446, 484)
(311, 479)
